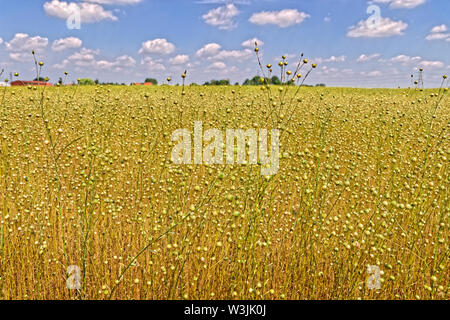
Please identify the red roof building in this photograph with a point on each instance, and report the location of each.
(30, 83)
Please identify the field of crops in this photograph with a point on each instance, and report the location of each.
(86, 180)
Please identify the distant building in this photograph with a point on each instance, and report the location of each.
(142, 84)
(30, 83)
(4, 84)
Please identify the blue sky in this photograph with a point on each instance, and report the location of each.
(129, 40)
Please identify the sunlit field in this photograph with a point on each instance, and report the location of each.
(86, 180)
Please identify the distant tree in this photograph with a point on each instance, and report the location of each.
(60, 80)
(223, 82)
(275, 80)
(320, 85)
(40, 79)
(154, 81)
(255, 81)
(96, 81)
(86, 82)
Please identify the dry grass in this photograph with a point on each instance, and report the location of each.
(86, 179)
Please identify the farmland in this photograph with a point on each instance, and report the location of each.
(86, 180)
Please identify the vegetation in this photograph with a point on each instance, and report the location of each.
(86, 82)
(154, 81)
(224, 82)
(87, 181)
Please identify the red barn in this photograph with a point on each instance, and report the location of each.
(30, 83)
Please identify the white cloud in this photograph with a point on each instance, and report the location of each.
(284, 18)
(20, 56)
(151, 64)
(83, 58)
(438, 36)
(66, 43)
(218, 66)
(157, 46)
(387, 28)
(87, 58)
(212, 51)
(250, 43)
(23, 42)
(432, 64)
(404, 59)
(222, 17)
(439, 33)
(233, 54)
(209, 50)
(399, 4)
(179, 59)
(364, 58)
(441, 28)
(375, 73)
(1, 40)
(119, 64)
(331, 59)
(116, 2)
(89, 12)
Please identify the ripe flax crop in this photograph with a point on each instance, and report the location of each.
(86, 179)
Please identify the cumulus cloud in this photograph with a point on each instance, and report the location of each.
(375, 73)
(83, 58)
(119, 64)
(218, 66)
(250, 43)
(387, 28)
(404, 59)
(157, 46)
(66, 43)
(179, 59)
(222, 17)
(331, 59)
(441, 28)
(284, 18)
(364, 58)
(20, 56)
(401, 4)
(116, 2)
(23, 42)
(89, 12)
(233, 54)
(1, 40)
(212, 51)
(153, 65)
(209, 50)
(432, 64)
(88, 58)
(439, 33)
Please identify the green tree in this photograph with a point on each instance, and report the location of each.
(152, 80)
(86, 82)
(275, 80)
